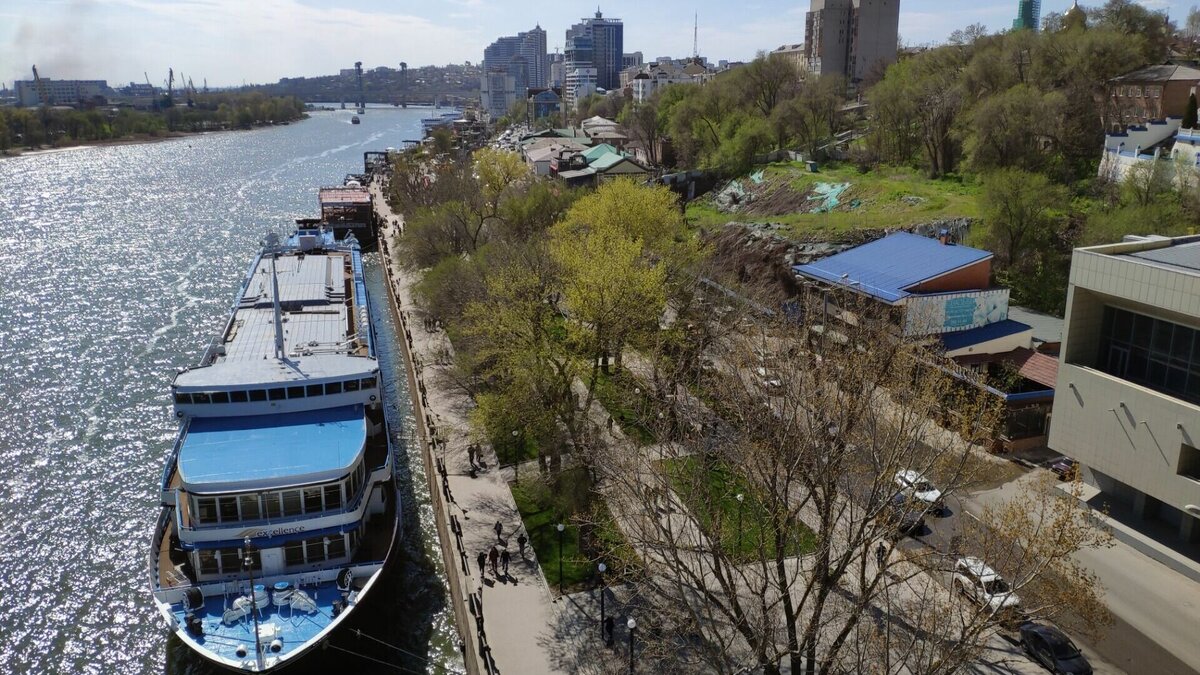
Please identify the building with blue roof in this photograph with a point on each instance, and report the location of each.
(941, 292)
(943, 288)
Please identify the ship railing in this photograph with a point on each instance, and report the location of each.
(172, 465)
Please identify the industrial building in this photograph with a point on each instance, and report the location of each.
(1129, 378)
(32, 93)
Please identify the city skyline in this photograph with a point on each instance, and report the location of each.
(228, 41)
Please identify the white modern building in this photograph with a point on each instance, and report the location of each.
(1128, 403)
(580, 83)
(59, 92)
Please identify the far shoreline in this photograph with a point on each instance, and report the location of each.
(137, 139)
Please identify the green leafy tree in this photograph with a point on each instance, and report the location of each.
(1020, 213)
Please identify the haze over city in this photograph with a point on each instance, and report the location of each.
(229, 42)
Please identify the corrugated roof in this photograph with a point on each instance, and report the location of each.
(1159, 73)
(975, 336)
(1035, 366)
(886, 267)
(1184, 256)
(597, 150)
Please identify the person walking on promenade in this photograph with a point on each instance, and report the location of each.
(498, 528)
(521, 541)
(482, 560)
(493, 558)
(504, 558)
(471, 455)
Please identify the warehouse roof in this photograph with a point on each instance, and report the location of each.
(887, 267)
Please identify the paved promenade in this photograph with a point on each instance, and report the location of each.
(519, 612)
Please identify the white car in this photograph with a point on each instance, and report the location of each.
(974, 579)
(914, 485)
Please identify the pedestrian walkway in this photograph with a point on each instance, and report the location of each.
(518, 610)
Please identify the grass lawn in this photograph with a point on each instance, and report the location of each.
(711, 494)
(542, 508)
(888, 197)
(616, 392)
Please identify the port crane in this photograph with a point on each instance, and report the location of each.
(43, 98)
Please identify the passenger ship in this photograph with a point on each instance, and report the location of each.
(279, 500)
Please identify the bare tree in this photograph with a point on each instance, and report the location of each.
(757, 529)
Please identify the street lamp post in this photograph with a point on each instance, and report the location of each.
(741, 499)
(560, 527)
(632, 626)
(517, 464)
(600, 568)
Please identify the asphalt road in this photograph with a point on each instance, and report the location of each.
(1122, 648)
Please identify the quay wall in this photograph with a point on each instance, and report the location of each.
(426, 436)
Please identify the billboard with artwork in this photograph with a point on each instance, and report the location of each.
(950, 312)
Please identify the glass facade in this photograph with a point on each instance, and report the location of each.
(1154, 353)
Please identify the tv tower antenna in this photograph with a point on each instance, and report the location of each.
(696, 35)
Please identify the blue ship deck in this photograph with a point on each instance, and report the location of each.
(223, 454)
(294, 628)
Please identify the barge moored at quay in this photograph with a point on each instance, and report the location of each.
(280, 508)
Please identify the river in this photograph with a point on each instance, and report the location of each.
(122, 263)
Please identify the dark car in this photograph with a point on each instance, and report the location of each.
(1052, 648)
(907, 514)
(1065, 468)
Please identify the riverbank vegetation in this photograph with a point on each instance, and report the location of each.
(32, 128)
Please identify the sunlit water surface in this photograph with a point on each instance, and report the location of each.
(119, 264)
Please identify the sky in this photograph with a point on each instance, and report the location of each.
(258, 41)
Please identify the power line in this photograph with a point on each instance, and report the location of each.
(370, 658)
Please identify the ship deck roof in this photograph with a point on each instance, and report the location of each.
(316, 319)
(224, 454)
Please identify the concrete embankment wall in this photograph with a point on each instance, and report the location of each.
(427, 437)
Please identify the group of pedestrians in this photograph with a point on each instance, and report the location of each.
(497, 556)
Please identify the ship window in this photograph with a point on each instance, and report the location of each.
(337, 547)
(250, 507)
(220, 397)
(291, 503)
(333, 496)
(315, 389)
(238, 396)
(200, 397)
(312, 500)
(295, 392)
(229, 560)
(228, 508)
(206, 510)
(368, 383)
(208, 562)
(333, 388)
(293, 553)
(277, 394)
(183, 398)
(258, 394)
(351, 385)
(271, 504)
(314, 549)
